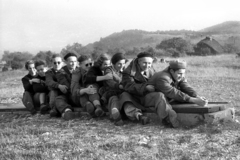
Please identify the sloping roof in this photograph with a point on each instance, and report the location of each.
(212, 43)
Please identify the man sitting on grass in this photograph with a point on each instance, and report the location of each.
(32, 84)
(172, 83)
(63, 102)
(52, 83)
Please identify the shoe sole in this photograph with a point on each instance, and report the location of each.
(115, 113)
(99, 112)
(44, 110)
(69, 116)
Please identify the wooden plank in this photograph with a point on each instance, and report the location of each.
(193, 108)
(12, 107)
(179, 108)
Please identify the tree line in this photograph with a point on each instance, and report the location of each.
(173, 47)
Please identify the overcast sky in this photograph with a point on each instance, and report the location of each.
(33, 25)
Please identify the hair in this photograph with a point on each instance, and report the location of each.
(55, 56)
(39, 63)
(174, 70)
(101, 58)
(83, 58)
(28, 63)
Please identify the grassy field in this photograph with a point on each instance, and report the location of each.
(40, 137)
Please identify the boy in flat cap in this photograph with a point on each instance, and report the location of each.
(139, 95)
(64, 101)
(172, 83)
(59, 79)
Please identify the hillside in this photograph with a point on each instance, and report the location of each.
(228, 27)
(128, 39)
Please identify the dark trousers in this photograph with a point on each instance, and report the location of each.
(62, 102)
(52, 97)
(31, 101)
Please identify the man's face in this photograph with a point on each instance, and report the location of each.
(178, 75)
(119, 66)
(57, 63)
(105, 64)
(41, 70)
(145, 63)
(86, 64)
(32, 70)
(71, 62)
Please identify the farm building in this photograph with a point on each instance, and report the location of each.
(209, 43)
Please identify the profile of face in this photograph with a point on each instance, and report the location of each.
(71, 62)
(41, 70)
(57, 63)
(32, 70)
(145, 63)
(105, 64)
(86, 64)
(119, 66)
(178, 75)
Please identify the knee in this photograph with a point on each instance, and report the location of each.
(159, 95)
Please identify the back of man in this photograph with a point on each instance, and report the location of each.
(177, 90)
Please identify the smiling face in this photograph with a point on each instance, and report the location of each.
(119, 66)
(86, 64)
(105, 64)
(57, 63)
(71, 62)
(178, 75)
(41, 70)
(31, 69)
(145, 63)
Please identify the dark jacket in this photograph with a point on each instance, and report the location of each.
(133, 81)
(34, 87)
(63, 77)
(51, 79)
(77, 81)
(112, 84)
(91, 76)
(40, 87)
(111, 87)
(26, 84)
(179, 91)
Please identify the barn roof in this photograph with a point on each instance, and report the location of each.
(212, 43)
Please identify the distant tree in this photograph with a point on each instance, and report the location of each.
(116, 50)
(176, 43)
(16, 65)
(16, 59)
(45, 56)
(96, 52)
(231, 48)
(76, 48)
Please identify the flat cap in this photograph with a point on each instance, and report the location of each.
(70, 54)
(177, 64)
(144, 54)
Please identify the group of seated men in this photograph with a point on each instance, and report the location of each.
(107, 85)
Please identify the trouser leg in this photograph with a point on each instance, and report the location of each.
(114, 107)
(158, 102)
(131, 111)
(62, 103)
(42, 98)
(28, 101)
(52, 97)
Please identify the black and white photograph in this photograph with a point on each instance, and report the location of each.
(119, 80)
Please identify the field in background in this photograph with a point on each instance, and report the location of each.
(39, 137)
